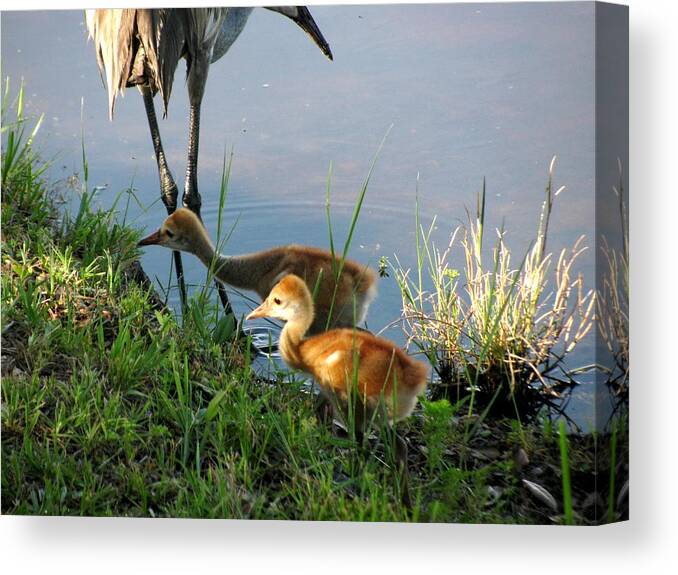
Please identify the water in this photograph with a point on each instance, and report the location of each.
(472, 91)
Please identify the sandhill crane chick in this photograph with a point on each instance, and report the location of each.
(352, 293)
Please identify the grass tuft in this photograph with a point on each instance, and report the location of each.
(494, 324)
(613, 299)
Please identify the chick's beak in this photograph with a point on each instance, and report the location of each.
(262, 311)
(153, 239)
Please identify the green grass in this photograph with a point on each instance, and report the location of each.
(112, 407)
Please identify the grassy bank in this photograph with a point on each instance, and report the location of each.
(111, 407)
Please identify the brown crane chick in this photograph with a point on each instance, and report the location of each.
(341, 357)
(348, 364)
(351, 293)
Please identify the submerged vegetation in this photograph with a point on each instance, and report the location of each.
(112, 405)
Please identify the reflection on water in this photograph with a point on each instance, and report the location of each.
(472, 91)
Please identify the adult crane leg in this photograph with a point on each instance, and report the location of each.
(168, 188)
(197, 78)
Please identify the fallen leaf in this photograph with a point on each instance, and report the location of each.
(540, 493)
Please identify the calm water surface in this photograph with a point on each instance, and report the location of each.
(472, 91)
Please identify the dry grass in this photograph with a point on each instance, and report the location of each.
(496, 322)
(613, 300)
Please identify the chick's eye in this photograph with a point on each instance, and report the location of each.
(276, 301)
(169, 233)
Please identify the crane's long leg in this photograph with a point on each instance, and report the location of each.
(191, 198)
(168, 187)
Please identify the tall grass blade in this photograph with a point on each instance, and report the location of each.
(354, 220)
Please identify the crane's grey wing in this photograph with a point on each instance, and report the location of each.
(163, 35)
(112, 32)
(140, 46)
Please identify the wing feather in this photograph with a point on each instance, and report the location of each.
(112, 32)
(121, 36)
(170, 26)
